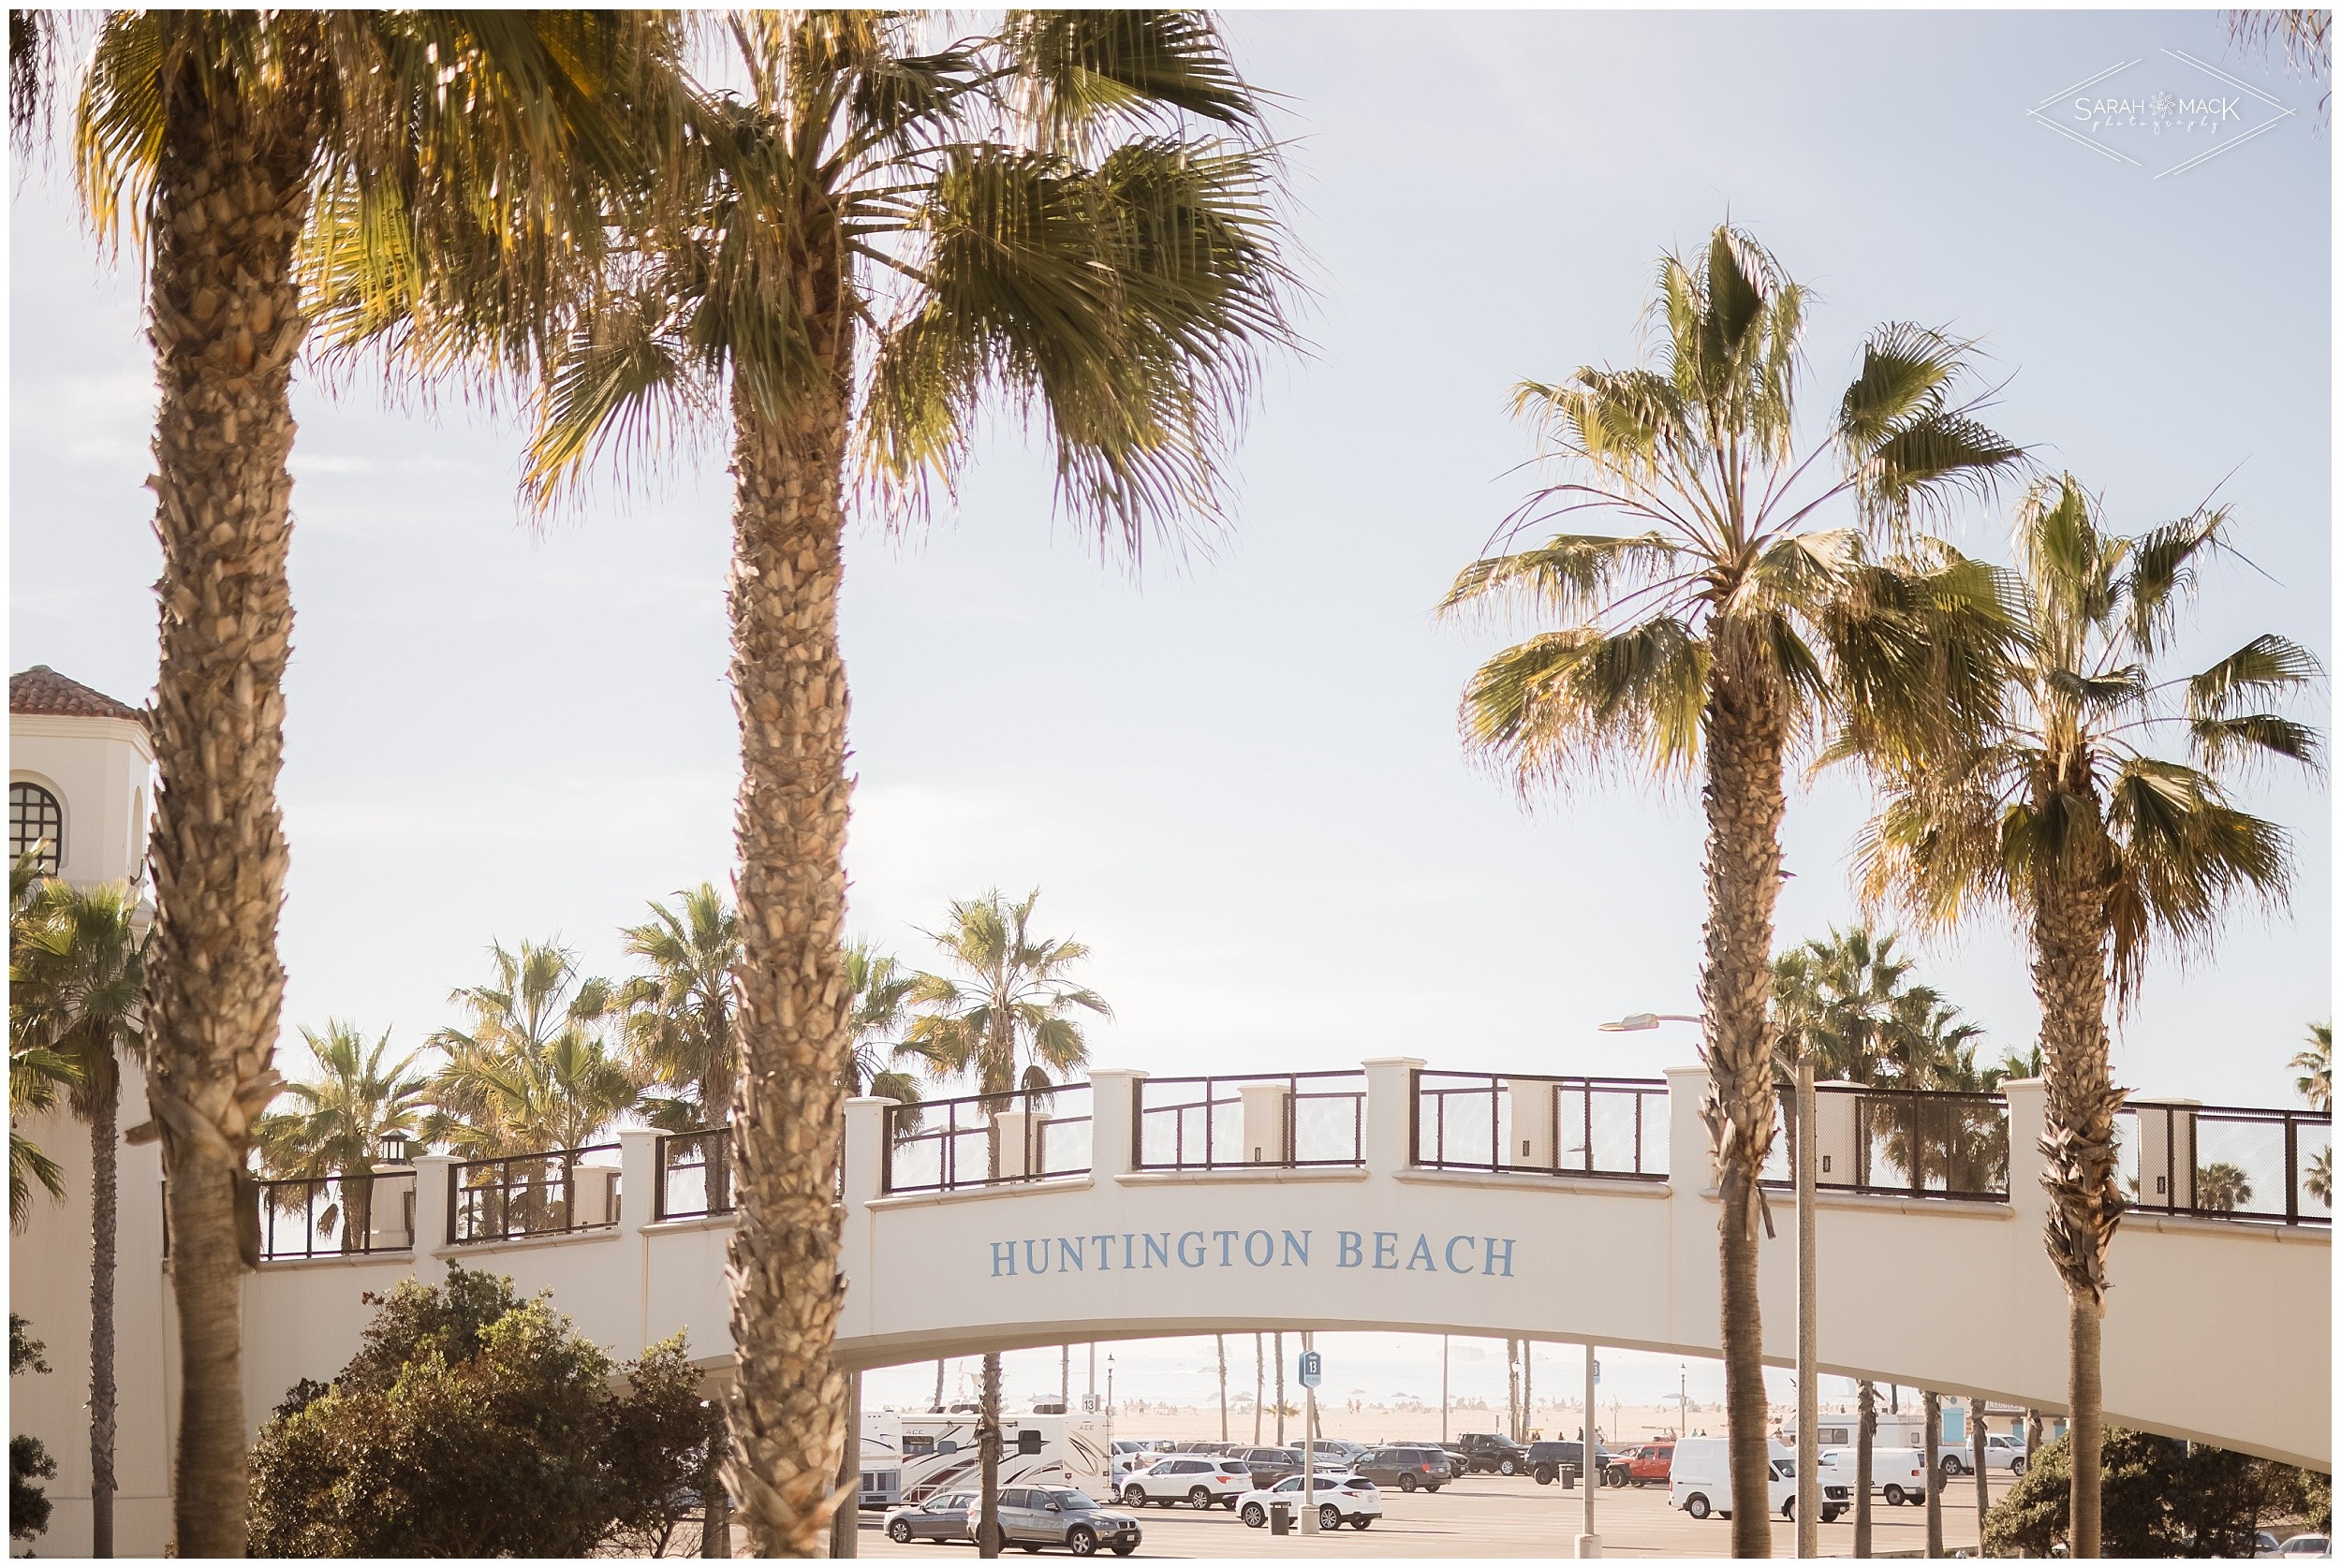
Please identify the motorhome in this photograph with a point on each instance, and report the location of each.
(907, 1455)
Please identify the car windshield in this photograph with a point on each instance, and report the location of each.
(1067, 1500)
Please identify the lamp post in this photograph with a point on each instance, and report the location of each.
(1635, 1022)
(1588, 1541)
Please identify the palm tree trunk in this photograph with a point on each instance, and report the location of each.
(1745, 733)
(988, 1452)
(232, 194)
(1977, 1446)
(938, 1383)
(1220, 1342)
(105, 1220)
(1259, 1386)
(1280, 1390)
(788, 685)
(2068, 977)
(716, 1504)
(1933, 1405)
(1864, 1469)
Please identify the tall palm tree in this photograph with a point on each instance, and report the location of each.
(2315, 1066)
(2222, 1187)
(2062, 812)
(77, 988)
(879, 990)
(357, 1102)
(1718, 633)
(533, 1072)
(1007, 1022)
(38, 1075)
(1075, 212)
(437, 142)
(681, 1019)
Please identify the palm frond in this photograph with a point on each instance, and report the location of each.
(1587, 699)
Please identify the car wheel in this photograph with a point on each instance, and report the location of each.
(1508, 1467)
(1829, 1516)
(1328, 1519)
(1199, 1498)
(1544, 1475)
(1359, 1521)
(1082, 1540)
(1134, 1497)
(1433, 1486)
(898, 1531)
(1951, 1465)
(1028, 1546)
(1894, 1496)
(1406, 1482)
(1254, 1515)
(1788, 1509)
(1696, 1505)
(2015, 1466)
(1124, 1552)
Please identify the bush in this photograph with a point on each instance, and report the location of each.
(28, 1462)
(2162, 1497)
(473, 1424)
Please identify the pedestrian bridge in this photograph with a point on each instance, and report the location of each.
(1399, 1197)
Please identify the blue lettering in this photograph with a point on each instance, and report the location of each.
(1268, 1248)
(1127, 1236)
(1158, 1249)
(1297, 1244)
(1385, 1248)
(1226, 1241)
(1037, 1257)
(1421, 1257)
(1003, 1251)
(1352, 1249)
(1069, 1252)
(1105, 1250)
(1196, 1237)
(1506, 1242)
(1453, 1242)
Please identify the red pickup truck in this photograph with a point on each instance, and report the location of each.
(1652, 1461)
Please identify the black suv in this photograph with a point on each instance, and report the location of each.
(1545, 1459)
(1407, 1467)
(1493, 1453)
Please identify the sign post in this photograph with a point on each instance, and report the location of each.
(1312, 1373)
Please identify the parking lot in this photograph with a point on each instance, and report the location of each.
(1492, 1516)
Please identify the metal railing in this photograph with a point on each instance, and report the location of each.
(1553, 1126)
(975, 1140)
(1198, 1123)
(1899, 1142)
(695, 1176)
(2227, 1162)
(329, 1216)
(553, 1193)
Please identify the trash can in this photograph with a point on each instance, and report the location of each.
(1568, 1477)
(1280, 1518)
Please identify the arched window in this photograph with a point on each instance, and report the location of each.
(36, 821)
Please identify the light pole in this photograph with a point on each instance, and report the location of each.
(1588, 1542)
(1442, 1388)
(1807, 1318)
(1634, 1023)
(1682, 1400)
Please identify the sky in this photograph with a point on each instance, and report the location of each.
(1235, 774)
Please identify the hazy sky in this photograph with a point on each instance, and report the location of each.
(1238, 778)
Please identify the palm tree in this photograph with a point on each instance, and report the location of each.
(2221, 1188)
(533, 1072)
(1005, 1021)
(75, 987)
(1725, 629)
(2314, 1065)
(251, 150)
(38, 1076)
(2059, 812)
(879, 988)
(1863, 1465)
(681, 1019)
(879, 238)
(356, 1103)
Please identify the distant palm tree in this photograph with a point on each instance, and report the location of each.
(356, 1103)
(2314, 1065)
(2221, 1188)
(533, 1073)
(1724, 628)
(2058, 810)
(681, 1021)
(38, 1076)
(880, 990)
(77, 981)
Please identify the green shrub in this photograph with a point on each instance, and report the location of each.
(28, 1462)
(473, 1424)
(2162, 1497)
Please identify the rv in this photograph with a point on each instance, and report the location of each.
(909, 1456)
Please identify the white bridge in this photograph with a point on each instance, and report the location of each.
(1391, 1197)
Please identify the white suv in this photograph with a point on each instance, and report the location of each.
(1200, 1479)
(1339, 1497)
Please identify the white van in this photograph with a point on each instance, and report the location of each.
(1699, 1481)
(1898, 1475)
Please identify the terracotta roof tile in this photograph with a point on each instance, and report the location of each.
(42, 689)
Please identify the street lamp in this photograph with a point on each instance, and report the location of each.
(1633, 1022)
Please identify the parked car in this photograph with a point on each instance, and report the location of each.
(1545, 1461)
(1493, 1453)
(1199, 1479)
(1340, 1498)
(1999, 1453)
(1333, 1453)
(1266, 1466)
(1699, 1482)
(1037, 1516)
(1650, 1463)
(1897, 1475)
(1408, 1467)
(2264, 1544)
(941, 1517)
(2312, 1544)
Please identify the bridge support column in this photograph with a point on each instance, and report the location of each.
(1267, 1115)
(1390, 1111)
(1112, 1121)
(434, 1185)
(1838, 1163)
(865, 1149)
(1690, 1166)
(1533, 1137)
(2166, 1155)
(639, 1203)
